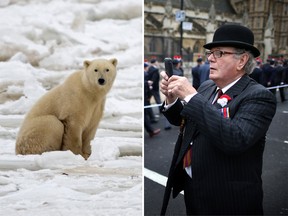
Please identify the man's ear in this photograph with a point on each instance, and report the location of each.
(242, 61)
(114, 61)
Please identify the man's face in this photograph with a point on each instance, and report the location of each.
(223, 65)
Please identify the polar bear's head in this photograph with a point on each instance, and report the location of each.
(101, 73)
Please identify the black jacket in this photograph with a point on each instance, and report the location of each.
(226, 152)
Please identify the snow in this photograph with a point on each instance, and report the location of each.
(41, 43)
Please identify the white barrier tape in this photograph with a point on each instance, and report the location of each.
(153, 105)
(279, 86)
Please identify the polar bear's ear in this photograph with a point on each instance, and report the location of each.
(114, 61)
(86, 64)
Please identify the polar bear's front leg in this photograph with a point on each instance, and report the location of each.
(86, 148)
(72, 139)
(87, 136)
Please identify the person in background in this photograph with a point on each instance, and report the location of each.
(268, 73)
(148, 111)
(285, 65)
(154, 76)
(278, 78)
(285, 75)
(149, 83)
(195, 73)
(177, 63)
(218, 157)
(204, 71)
(180, 67)
(257, 72)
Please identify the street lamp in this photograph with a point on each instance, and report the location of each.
(181, 29)
(168, 26)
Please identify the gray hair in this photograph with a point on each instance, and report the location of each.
(250, 64)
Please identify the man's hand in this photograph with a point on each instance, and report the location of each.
(175, 87)
(170, 98)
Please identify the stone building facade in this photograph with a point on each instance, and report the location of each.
(268, 19)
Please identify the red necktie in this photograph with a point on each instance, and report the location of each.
(219, 94)
(187, 160)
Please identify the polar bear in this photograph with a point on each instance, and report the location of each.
(67, 117)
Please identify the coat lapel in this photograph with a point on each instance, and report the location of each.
(238, 87)
(235, 90)
(208, 91)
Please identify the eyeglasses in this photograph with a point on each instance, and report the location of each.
(219, 53)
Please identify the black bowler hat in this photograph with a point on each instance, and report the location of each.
(235, 36)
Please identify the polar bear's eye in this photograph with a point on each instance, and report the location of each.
(96, 70)
(107, 70)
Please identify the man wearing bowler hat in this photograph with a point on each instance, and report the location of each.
(218, 156)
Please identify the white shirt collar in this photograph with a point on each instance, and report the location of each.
(228, 86)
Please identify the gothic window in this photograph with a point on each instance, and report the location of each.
(260, 5)
(176, 46)
(257, 5)
(152, 45)
(196, 47)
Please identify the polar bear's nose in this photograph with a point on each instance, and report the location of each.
(101, 81)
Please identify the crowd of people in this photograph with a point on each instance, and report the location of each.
(151, 90)
(270, 74)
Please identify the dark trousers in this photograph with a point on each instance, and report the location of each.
(147, 121)
(281, 92)
(156, 95)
